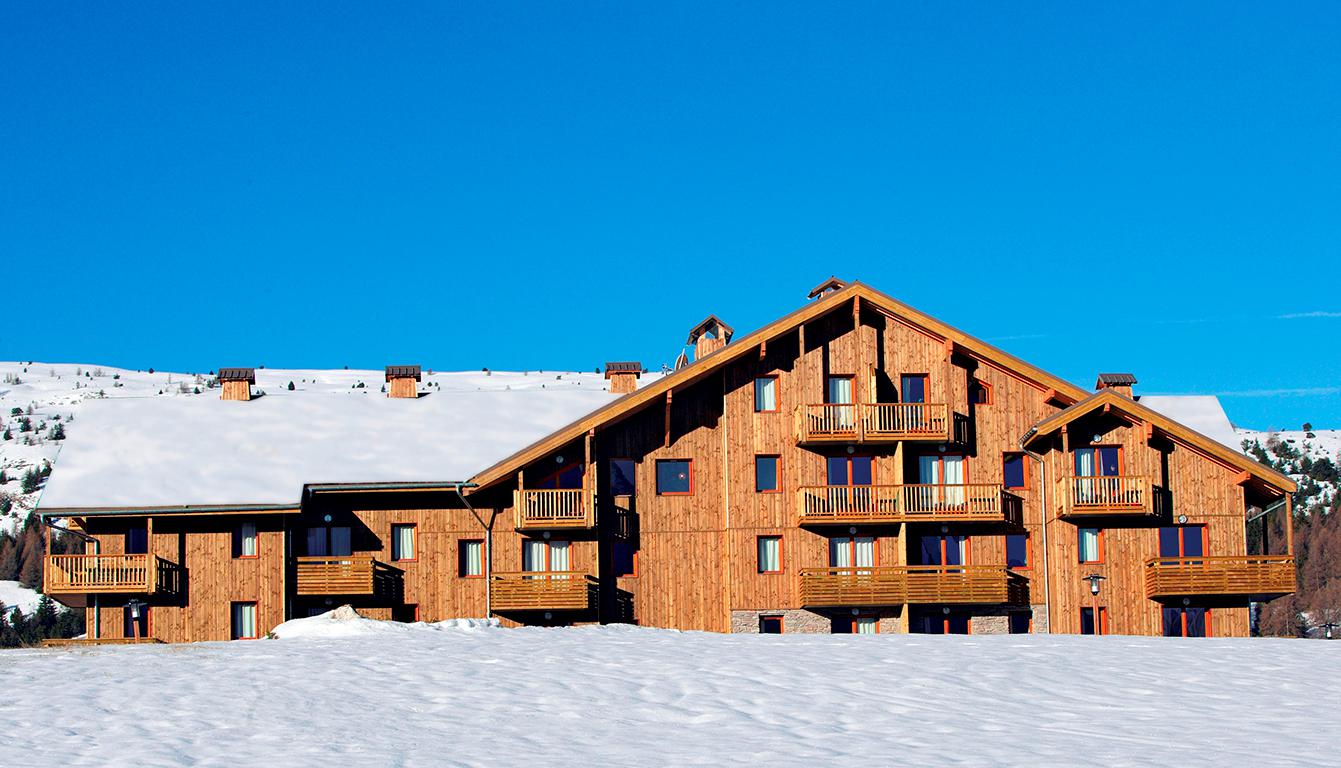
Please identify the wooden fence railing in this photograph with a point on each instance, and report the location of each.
(554, 508)
(1219, 575)
(905, 421)
(829, 421)
(1120, 494)
(127, 574)
(342, 575)
(967, 502)
(542, 591)
(917, 584)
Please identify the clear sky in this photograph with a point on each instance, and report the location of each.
(1125, 187)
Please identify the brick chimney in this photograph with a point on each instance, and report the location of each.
(623, 376)
(1118, 382)
(403, 381)
(709, 336)
(236, 383)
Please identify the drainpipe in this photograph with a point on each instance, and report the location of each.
(488, 548)
(1043, 500)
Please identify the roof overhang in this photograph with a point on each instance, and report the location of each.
(206, 509)
(426, 486)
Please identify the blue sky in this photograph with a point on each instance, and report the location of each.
(1131, 187)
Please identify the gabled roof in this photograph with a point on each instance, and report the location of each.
(873, 299)
(1184, 434)
(707, 325)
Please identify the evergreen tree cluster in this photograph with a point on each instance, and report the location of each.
(21, 555)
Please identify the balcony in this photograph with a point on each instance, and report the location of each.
(1120, 496)
(915, 584)
(110, 574)
(542, 591)
(540, 509)
(873, 422)
(344, 575)
(849, 504)
(1235, 575)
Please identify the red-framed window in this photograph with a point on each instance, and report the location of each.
(404, 543)
(839, 389)
(769, 551)
(953, 623)
(624, 560)
(675, 477)
(470, 558)
(914, 387)
(768, 473)
(980, 392)
(1014, 471)
(1088, 626)
(1019, 552)
(1089, 545)
(1183, 541)
(854, 551)
(1189, 621)
(770, 625)
(1098, 461)
(945, 549)
(849, 470)
(766, 395)
(246, 621)
(246, 544)
(855, 625)
(405, 614)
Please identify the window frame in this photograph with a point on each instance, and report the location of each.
(777, 391)
(1024, 471)
(1028, 552)
(1099, 623)
(633, 558)
(414, 542)
(1182, 619)
(926, 387)
(1096, 447)
(1182, 540)
(1099, 545)
(779, 618)
(758, 555)
(851, 622)
(550, 545)
(255, 618)
(690, 471)
(848, 460)
(852, 550)
(777, 472)
(945, 548)
(978, 385)
(461, 559)
(852, 388)
(239, 539)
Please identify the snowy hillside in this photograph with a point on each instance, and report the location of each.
(1311, 458)
(421, 695)
(15, 595)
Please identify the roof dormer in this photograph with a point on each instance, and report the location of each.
(709, 336)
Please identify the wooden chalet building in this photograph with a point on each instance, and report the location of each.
(855, 466)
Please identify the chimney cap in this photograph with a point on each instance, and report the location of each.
(1114, 380)
(711, 324)
(634, 368)
(237, 374)
(828, 286)
(403, 371)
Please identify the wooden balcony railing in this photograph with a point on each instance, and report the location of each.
(1115, 495)
(343, 575)
(872, 422)
(1244, 575)
(542, 591)
(919, 584)
(970, 502)
(554, 509)
(104, 574)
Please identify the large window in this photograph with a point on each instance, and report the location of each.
(541, 555)
(244, 540)
(838, 390)
(940, 623)
(625, 559)
(1187, 622)
(622, 482)
(137, 541)
(945, 550)
(980, 392)
(770, 554)
(852, 551)
(244, 621)
(913, 387)
(470, 558)
(1013, 471)
(675, 477)
(1090, 545)
(766, 394)
(1088, 625)
(849, 470)
(766, 476)
(329, 541)
(402, 542)
(1182, 541)
(567, 478)
(1100, 461)
(1017, 550)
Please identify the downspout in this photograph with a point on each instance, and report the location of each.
(488, 549)
(1043, 500)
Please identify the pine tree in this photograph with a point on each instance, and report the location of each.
(291, 387)
(57, 431)
(31, 480)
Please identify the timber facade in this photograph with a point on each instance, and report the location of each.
(855, 466)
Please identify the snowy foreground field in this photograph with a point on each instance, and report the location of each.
(370, 693)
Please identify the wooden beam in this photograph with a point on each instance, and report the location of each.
(859, 395)
(1289, 524)
(1066, 441)
(1243, 477)
(763, 349)
(668, 417)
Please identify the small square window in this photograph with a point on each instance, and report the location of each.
(770, 554)
(1013, 471)
(675, 477)
(625, 559)
(1090, 546)
(766, 476)
(622, 477)
(770, 625)
(402, 542)
(1017, 550)
(980, 392)
(766, 394)
(470, 559)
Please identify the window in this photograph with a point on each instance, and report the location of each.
(567, 478)
(855, 625)
(137, 541)
(470, 558)
(1017, 550)
(333, 541)
(244, 621)
(946, 472)
(945, 550)
(675, 477)
(1087, 624)
(913, 386)
(1013, 471)
(1100, 461)
(1021, 622)
(770, 554)
(838, 390)
(625, 559)
(405, 613)
(942, 624)
(849, 470)
(622, 477)
(1182, 541)
(766, 394)
(1091, 545)
(541, 555)
(770, 625)
(244, 540)
(133, 625)
(850, 551)
(402, 542)
(766, 479)
(1187, 622)
(980, 392)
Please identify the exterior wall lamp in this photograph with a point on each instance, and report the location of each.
(1094, 580)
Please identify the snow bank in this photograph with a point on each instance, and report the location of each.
(345, 622)
(15, 595)
(413, 696)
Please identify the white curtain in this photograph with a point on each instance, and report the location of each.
(558, 556)
(404, 543)
(533, 555)
(341, 541)
(840, 552)
(766, 394)
(474, 558)
(929, 470)
(244, 620)
(865, 626)
(954, 476)
(769, 555)
(1085, 489)
(865, 552)
(248, 540)
(1089, 545)
(316, 542)
(840, 389)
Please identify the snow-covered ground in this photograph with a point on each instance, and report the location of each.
(450, 695)
(15, 595)
(1313, 445)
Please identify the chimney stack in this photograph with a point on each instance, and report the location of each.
(827, 287)
(709, 336)
(623, 376)
(1119, 382)
(236, 383)
(403, 381)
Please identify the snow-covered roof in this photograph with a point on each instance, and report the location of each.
(199, 451)
(1200, 412)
